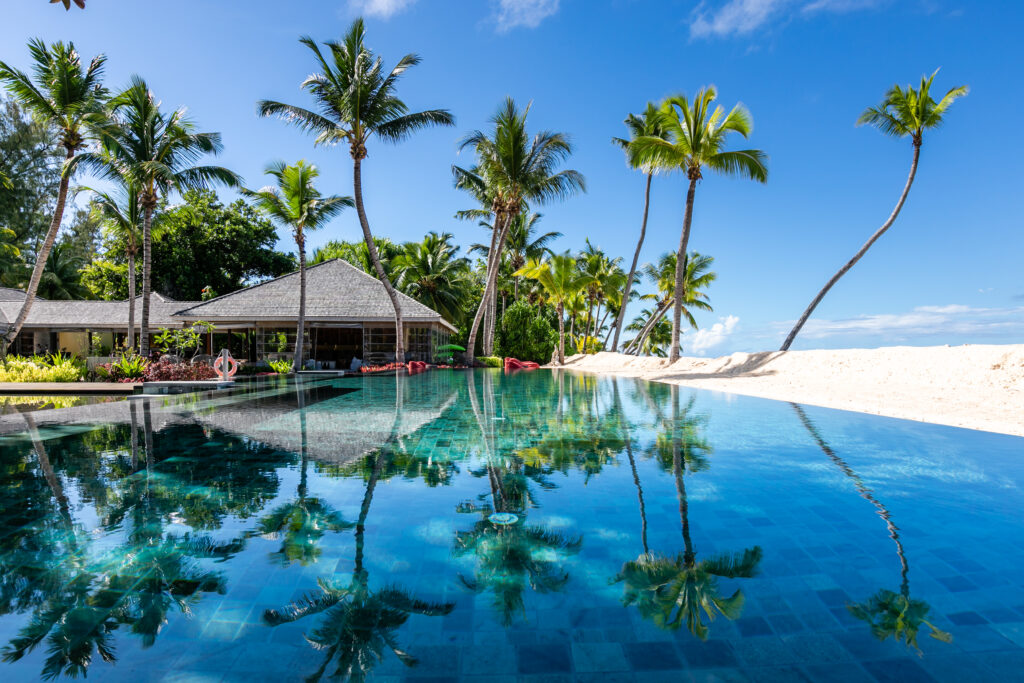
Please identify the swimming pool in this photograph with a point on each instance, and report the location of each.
(644, 532)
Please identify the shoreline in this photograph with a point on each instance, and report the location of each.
(977, 387)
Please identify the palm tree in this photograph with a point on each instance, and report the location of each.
(154, 152)
(648, 124)
(67, 95)
(62, 278)
(356, 100)
(521, 243)
(902, 113)
(658, 337)
(295, 203)
(606, 278)
(67, 3)
(512, 170)
(561, 281)
(698, 135)
(432, 273)
(123, 224)
(698, 277)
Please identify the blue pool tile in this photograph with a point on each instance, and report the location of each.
(838, 673)
(652, 656)
(600, 657)
(967, 619)
(711, 653)
(957, 584)
(777, 674)
(543, 659)
(904, 670)
(753, 626)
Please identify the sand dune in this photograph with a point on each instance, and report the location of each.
(977, 387)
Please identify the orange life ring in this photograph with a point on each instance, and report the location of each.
(232, 366)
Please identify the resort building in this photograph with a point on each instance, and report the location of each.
(348, 315)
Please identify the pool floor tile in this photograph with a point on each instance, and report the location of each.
(708, 654)
(543, 659)
(599, 658)
(652, 656)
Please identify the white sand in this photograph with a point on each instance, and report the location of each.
(978, 387)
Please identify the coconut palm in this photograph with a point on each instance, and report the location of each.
(296, 204)
(521, 244)
(648, 124)
(512, 171)
(155, 152)
(66, 94)
(903, 113)
(123, 225)
(658, 337)
(80, 4)
(356, 100)
(698, 135)
(62, 277)
(607, 278)
(561, 281)
(432, 273)
(698, 277)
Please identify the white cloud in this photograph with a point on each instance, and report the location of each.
(384, 9)
(509, 14)
(716, 335)
(741, 17)
(951, 321)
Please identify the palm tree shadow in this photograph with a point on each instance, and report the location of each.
(751, 366)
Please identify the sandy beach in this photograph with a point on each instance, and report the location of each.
(971, 386)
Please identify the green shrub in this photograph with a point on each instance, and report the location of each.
(55, 368)
(492, 361)
(526, 333)
(282, 367)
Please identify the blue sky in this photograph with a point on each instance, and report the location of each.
(948, 272)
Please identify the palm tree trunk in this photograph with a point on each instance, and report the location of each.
(300, 242)
(623, 429)
(130, 339)
(561, 333)
(501, 222)
(684, 240)
(147, 280)
(371, 248)
(621, 319)
(856, 257)
(645, 331)
(42, 254)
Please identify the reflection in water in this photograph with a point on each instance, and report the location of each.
(359, 624)
(671, 590)
(510, 556)
(889, 614)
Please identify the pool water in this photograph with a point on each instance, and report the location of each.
(477, 526)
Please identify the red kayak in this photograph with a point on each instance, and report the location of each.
(514, 364)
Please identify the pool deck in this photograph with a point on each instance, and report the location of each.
(69, 388)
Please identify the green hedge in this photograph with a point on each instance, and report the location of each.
(492, 361)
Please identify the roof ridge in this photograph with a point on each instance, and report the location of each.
(249, 288)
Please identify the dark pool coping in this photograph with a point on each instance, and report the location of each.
(69, 388)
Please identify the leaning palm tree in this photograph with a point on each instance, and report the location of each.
(522, 243)
(355, 100)
(648, 124)
(511, 171)
(561, 282)
(123, 225)
(698, 277)
(296, 204)
(156, 153)
(902, 113)
(698, 135)
(66, 94)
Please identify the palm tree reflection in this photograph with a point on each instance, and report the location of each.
(887, 613)
(672, 590)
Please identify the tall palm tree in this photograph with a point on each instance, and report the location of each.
(355, 100)
(432, 273)
(66, 94)
(157, 153)
(561, 280)
(512, 170)
(698, 135)
(62, 278)
(658, 337)
(296, 204)
(698, 278)
(903, 113)
(648, 124)
(123, 223)
(521, 244)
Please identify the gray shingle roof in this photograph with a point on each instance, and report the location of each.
(335, 291)
(96, 314)
(11, 294)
